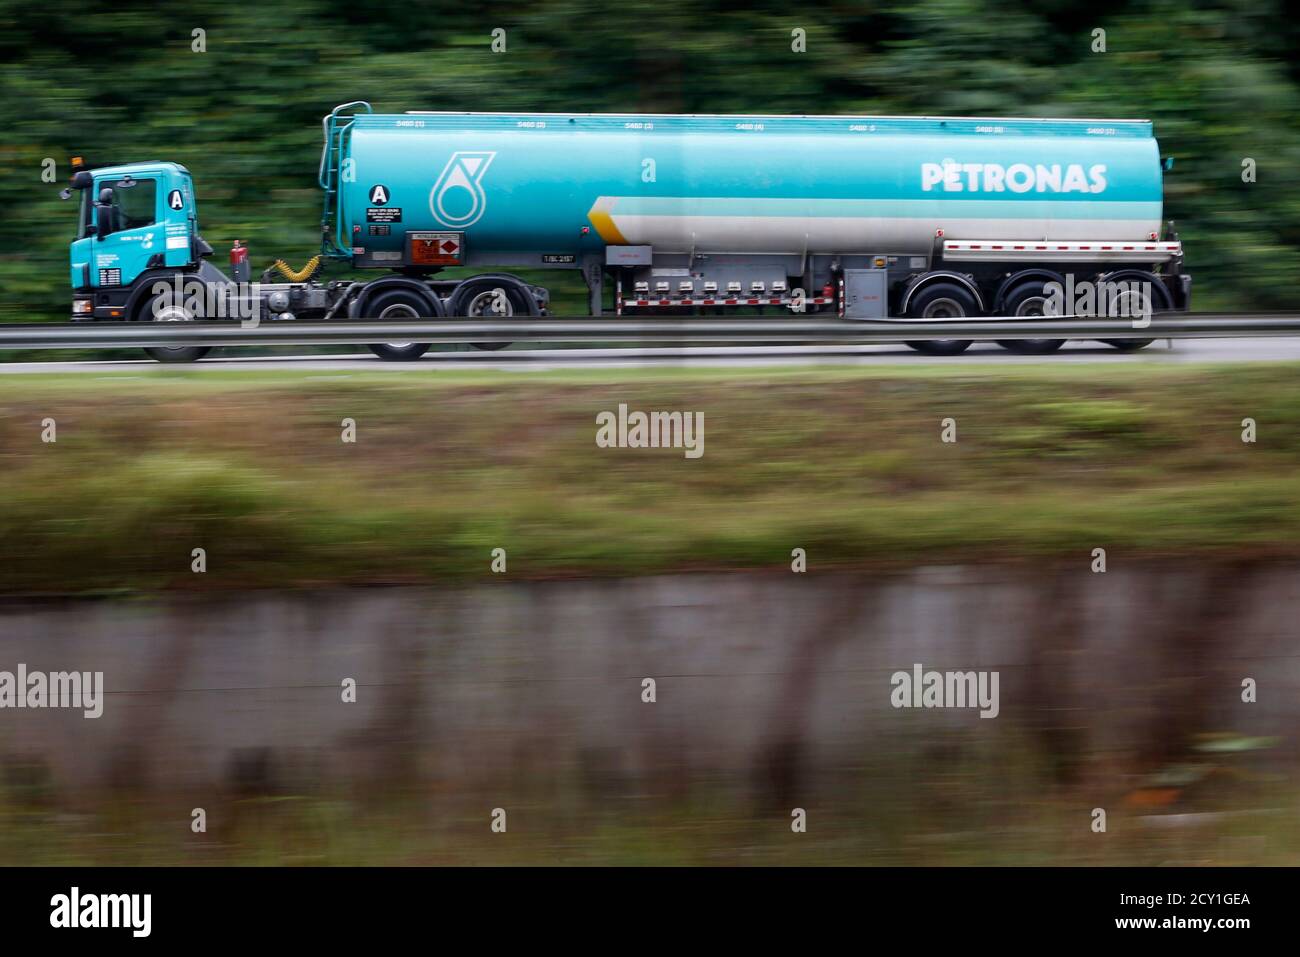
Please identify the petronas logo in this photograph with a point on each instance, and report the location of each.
(457, 199)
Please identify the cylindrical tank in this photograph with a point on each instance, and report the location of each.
(530, 183)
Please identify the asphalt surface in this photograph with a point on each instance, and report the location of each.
(524, 359)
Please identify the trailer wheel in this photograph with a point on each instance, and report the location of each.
(1157, 303)
(161, 308)
(1029, 300)
(489, 299)
(397, 305)
(943, 300)
(1128, 345)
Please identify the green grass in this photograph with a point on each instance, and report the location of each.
(1050, 461)
(1002, 827)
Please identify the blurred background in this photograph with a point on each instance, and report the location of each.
(1221, 81)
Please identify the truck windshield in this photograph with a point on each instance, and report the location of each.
(84, 214)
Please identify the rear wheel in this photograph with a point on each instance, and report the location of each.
(398, 305)
(1026, 301)
(943, 300)
(164, 308)
(489, 299)
(1136, 303)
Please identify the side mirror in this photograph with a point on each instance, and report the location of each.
(104, 213)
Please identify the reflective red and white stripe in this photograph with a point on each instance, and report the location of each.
(731, 301)
(970, 250)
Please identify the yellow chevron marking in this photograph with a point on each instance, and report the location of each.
(604, 223)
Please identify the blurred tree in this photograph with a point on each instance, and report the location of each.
(1221, 81)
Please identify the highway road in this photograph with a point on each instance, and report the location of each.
(521, 358)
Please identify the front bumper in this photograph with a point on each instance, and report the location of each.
(112, 310)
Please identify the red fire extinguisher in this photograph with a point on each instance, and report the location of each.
(239, 262)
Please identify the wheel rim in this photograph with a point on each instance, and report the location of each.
(399, 310)
(1034, 306)
(1130, 306)
(173, 314)
(943, 308)
(486, 304)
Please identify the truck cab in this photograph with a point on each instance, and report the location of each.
(132, 219)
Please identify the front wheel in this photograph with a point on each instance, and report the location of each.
(399, 351)
(943, 300)
(398, 305)
(164, 308)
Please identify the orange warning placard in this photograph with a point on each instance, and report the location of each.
(436, 249)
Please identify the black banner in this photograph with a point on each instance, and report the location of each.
(321, 906)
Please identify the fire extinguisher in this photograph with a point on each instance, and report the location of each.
(239, 262)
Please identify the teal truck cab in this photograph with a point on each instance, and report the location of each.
(138, 257)
(134, 221)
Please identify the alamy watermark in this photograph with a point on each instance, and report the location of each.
(651, 430)
(919, 688)
(75, 909)
(1117, 299)
(54, 689)
(182, 300)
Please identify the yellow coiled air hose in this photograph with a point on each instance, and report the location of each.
(302, 274)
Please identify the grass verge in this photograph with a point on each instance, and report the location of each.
(846, 463)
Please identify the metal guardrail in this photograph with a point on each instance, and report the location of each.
(692, 330)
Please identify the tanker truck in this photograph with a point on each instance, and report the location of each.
(860, 217)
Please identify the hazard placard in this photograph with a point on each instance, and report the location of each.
(435, 249)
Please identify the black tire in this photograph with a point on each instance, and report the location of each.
(1029, 299)
(399, 352)
(396, 305)
(942, 300)
(1160, 302)
(160, 308)
(1128, 345)
(479, 299)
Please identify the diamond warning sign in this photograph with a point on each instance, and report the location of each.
(435, 249)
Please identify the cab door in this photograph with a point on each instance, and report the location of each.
(179, 217)
(136, 237)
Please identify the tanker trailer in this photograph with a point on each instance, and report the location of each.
(920, 218)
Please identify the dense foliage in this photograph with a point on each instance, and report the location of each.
(1220, 81)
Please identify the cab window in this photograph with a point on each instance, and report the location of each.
(135, 205)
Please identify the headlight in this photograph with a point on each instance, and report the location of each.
(82, 307)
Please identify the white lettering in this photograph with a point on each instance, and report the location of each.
(958, 177)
